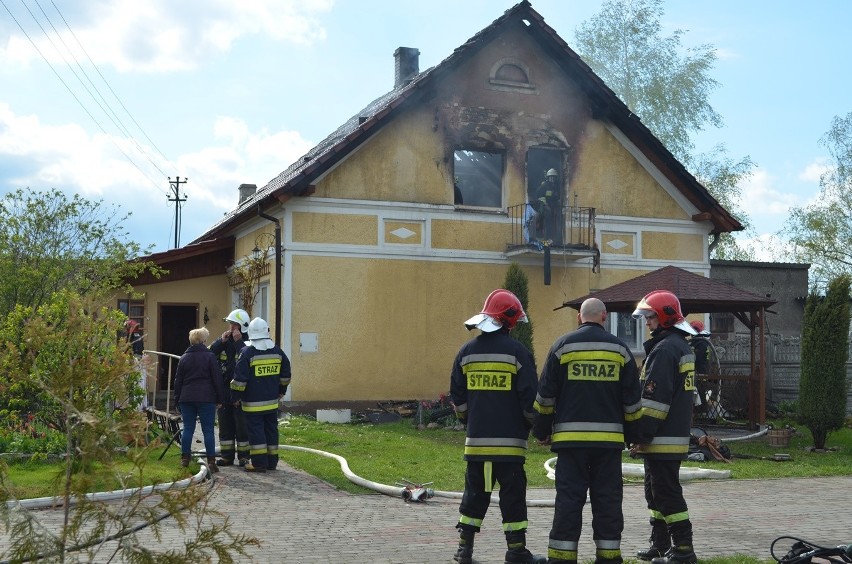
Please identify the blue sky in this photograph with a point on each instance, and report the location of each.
(227, 92)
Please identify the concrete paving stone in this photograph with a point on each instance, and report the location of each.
(300, 519)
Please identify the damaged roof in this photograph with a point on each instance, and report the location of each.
(298, 178)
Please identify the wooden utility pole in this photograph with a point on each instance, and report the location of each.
(175, 186)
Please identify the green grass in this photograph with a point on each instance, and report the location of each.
(37, 478)
(388, 452)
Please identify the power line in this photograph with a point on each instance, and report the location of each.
(70, 91)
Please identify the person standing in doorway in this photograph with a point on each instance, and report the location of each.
(588, 396)
(233, 436)
(668, 391)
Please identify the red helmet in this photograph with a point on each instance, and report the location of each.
(502, 309)
(666, 307)
(698, 326)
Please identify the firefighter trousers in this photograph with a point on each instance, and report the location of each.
(596, 471)
(233, 436)
(664, 495)
(479, 480)
(263, 438)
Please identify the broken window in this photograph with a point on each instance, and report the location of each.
(478, 179)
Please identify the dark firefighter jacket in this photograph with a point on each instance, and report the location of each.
(227, 352)
(701, 348)
(493, 385)
(260, 378)
(589, 394)
(668, 390)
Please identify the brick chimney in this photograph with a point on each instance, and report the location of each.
(246, 192)
(406, 65)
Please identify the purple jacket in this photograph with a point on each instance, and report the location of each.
(199, 377)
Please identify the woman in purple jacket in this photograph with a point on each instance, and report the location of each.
(198, 392)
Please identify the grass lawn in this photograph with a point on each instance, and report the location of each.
(388, 452)
(37, 478)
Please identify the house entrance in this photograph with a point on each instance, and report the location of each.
(176, 321)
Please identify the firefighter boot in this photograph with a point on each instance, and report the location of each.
(660, 540)
(517, 553)
(680, 554)
(211, 464)
(464, 553)
(224, 462)
(184, 460)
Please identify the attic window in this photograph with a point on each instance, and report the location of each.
(511, 75)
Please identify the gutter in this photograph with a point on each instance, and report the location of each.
(277, 272)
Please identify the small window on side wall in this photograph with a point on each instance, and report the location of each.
(478, 179)
(629, 330)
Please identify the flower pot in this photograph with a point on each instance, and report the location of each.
(780, 437)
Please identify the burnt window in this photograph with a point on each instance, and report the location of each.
(478, 179)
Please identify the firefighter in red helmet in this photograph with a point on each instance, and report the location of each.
(700, 344)
(493, 385)
(668, 390)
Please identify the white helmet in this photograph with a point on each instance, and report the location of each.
(258, 334)
(552, 172)
(240, 317)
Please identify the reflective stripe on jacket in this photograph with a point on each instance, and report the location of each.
(260, 378)
(492, 386)
(668, 389)
(589, 392)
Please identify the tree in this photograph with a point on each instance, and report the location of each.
(67, 350)
(821, 232)
(516, 282)
(669, 89)
(49, 242)
(825, 350)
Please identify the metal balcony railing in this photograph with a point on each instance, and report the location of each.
(567, 229)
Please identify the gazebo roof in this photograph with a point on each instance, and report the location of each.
(697, 294)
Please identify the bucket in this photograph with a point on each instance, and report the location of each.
(779, 437)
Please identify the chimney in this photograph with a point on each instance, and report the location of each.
(246, 192)
(406, 65)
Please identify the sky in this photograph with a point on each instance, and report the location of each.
(110, 98)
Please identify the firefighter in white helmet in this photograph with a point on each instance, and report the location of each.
(260, 381)
(548, 207)
(233, 437)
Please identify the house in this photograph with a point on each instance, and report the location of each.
(386, 236)
(786, 283)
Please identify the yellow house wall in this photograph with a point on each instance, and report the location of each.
(683, 246)
(390, 329)
(211, 292)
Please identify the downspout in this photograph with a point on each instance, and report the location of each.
(716, 239)
(277, 273)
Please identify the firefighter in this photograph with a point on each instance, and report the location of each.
(492, 386)
(547, 205)
(260, 381)
(588, 401)
(233, 437)
(701, 347)
(668, 389)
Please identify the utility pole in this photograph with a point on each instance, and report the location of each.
(175, 186)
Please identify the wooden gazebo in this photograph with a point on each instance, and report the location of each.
(698, 294)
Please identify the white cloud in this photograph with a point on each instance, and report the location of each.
(68, 158)
(814, 171)
(766, 247)
(161, 35)
(759, 196)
